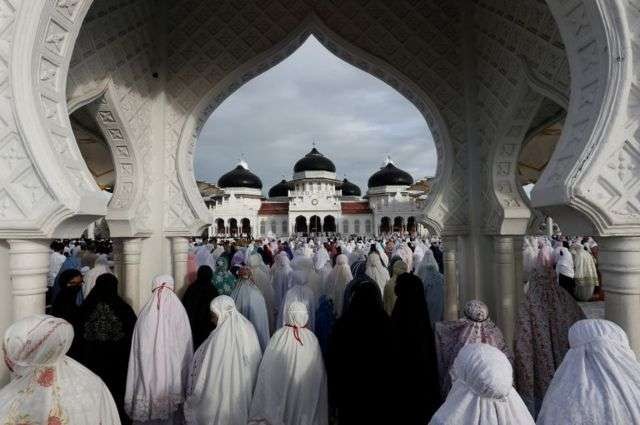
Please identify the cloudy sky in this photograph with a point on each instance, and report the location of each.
(355, 119)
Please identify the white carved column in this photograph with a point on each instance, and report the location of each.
(91, 231)
(116, 256)
(179, 254)
(131, 272)
(450, 278)
(549, 224)
(505, 279)
(28, 268)
(518, 242)
(619, 262)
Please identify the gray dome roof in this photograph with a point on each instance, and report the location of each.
(349, 189)
(390, 175)
(279, 190)
(314, 161)
(240, 177)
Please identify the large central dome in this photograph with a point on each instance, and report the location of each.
(390, 175)
(314, 161)
(240, 177)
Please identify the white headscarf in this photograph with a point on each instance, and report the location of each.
(482, 391)
(281, 270)
(46, 386)
(250, 302)
(161, 353)
(204, 257)
(101, 267)
(337, 282)
(376, 271)
(224, 370)
(263, 282)
(292, 383)
(403, 251)
(598, 381)
(299, 291)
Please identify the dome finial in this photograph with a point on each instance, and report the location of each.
(242, 162)
(387, 161)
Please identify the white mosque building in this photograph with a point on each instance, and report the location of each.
(315, 202)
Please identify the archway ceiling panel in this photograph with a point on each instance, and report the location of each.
(421, 40)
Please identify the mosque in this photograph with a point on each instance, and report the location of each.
(316, 202)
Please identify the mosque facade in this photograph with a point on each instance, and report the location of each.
(316, 202)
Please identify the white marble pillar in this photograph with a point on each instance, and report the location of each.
(179, 256)
(91, 231)
(28, 268)
(549, 223)
(619, 262)
(116, 256)
(450, 278)
(506, 284)
(131, 249)
(518, 242)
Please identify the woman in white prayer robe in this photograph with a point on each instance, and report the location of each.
(433, 282)
(46, 386)
(262, 280)
(598, 381)
(292, 382)
(280, 271)
(299, 291)
(250, 302)
(224, 370)
(161, 353)
(377, 271)
(100, 267)
(337, 282)
(586, 273)
(322, 266)
(482, 392)
(305, 265)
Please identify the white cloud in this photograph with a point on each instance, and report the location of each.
(356, 120)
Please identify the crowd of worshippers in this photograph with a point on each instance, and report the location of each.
(575, 261)
(305, 332)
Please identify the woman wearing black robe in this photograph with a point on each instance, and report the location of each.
(196, 301)
(67, 306)
(107, 328)
(416, 388)
(357, 360)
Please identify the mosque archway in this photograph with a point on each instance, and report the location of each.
(385, 225)
(233, 227)
(329, 225)
(246, 227)
(220, 229)
(398, 224)
(315, 224)
(301, 225)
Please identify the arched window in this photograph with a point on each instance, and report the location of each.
(263, 227)
(285, 228)
(274, 230)
(345, 226)
(356, 227)
(367, 226)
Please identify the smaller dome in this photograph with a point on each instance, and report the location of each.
(279, 190)
(349, 189)
(390, 175)
(314, 161)
(240, 177)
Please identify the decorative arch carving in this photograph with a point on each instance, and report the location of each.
(434, 210)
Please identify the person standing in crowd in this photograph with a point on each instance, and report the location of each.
(196, 301)
(101, 266)
(377, 271)
(46, 386)
(262, 279)
(249, 301)
(67, 304)
(223, 279)
(56, 259)
(564, 268)
(389, 298)
(416, 393)
(482, 392)
(360, 345)
(437, 254)
(337, 282)
(474, 327)
(586, 273)
(160, 358)
(598, 381)
(224, 370)
(292, 383)
(433, 283)
(107, 323)
(280, 271)
(542, 331)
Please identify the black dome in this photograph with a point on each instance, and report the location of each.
(349, 189)
(279, 190)
(390, 175)
(314, 161)
(240, 177)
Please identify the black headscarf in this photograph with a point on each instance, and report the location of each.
(66, 307)
(107, 329)
(196, 301)
(437, 254)
(416, 387)
(359, 347)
